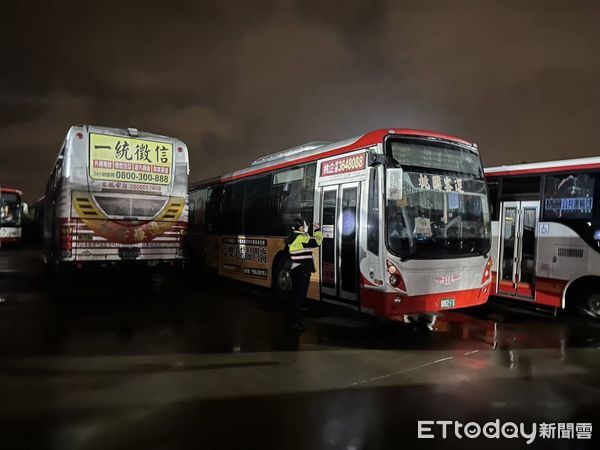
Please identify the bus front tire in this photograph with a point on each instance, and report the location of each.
(282, 279)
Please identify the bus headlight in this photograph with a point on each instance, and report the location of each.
(487, 272)
(395, 277)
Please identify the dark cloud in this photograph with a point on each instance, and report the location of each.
(239, 79)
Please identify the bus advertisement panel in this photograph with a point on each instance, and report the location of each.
(124, 159)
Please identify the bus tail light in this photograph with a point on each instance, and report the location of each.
(66, 241)
(394, 277)
(183, 234)
(487, 272)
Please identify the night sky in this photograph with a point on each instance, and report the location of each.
(236, 80)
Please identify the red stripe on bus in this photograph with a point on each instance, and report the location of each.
(11, 190)
(10, 239)
(548, 291)
(543, 170)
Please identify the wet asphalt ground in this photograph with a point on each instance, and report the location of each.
(207, 363)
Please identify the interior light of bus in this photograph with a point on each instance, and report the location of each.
(348, 223)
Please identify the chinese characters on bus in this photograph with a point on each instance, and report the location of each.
(343, 165)
(440, 183)
(569, 196)
(238, 252)
(122, 159)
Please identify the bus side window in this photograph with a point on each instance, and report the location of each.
(308, 193)
(569, 196)
(292, 196)
(198, 209)
(257, 215)
(233, 207)
(214, 209)
(373, 213)
(493, 187)
(520, 188)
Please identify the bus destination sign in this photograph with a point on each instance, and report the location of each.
(343, 165)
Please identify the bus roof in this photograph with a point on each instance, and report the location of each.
(132, 132)
(316, 150)
(12, 191)
(543, 167)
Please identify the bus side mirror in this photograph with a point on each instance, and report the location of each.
(393, 184)
(376, 159)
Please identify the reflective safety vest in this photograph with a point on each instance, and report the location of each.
(300, 247)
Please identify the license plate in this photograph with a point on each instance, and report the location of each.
(129, 253)
(447, 303)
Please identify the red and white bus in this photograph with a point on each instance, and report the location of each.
(116, 196)
(546, 233)
(11, 215)
(404, 214)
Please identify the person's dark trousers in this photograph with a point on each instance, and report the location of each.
(300, 283)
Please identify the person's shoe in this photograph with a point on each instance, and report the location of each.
(297, 327)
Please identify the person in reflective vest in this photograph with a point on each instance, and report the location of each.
(300, 245)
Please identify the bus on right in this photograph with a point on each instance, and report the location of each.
(546, 233)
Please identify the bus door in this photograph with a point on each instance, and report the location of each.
(517, 248)
(339, 251)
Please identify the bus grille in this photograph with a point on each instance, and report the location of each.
(87, 208)
(571, 252)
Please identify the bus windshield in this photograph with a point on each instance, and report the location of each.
(443, 210)
(10, 208)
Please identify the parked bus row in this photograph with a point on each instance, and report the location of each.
(408, 225)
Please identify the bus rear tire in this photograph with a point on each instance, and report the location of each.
(589, 305)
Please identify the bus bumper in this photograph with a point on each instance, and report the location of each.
(395, 305)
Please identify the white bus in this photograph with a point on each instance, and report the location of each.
(546, 233)
(404, 215)
(115, 196)
(11, 215)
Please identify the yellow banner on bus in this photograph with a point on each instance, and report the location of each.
(125, 159)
